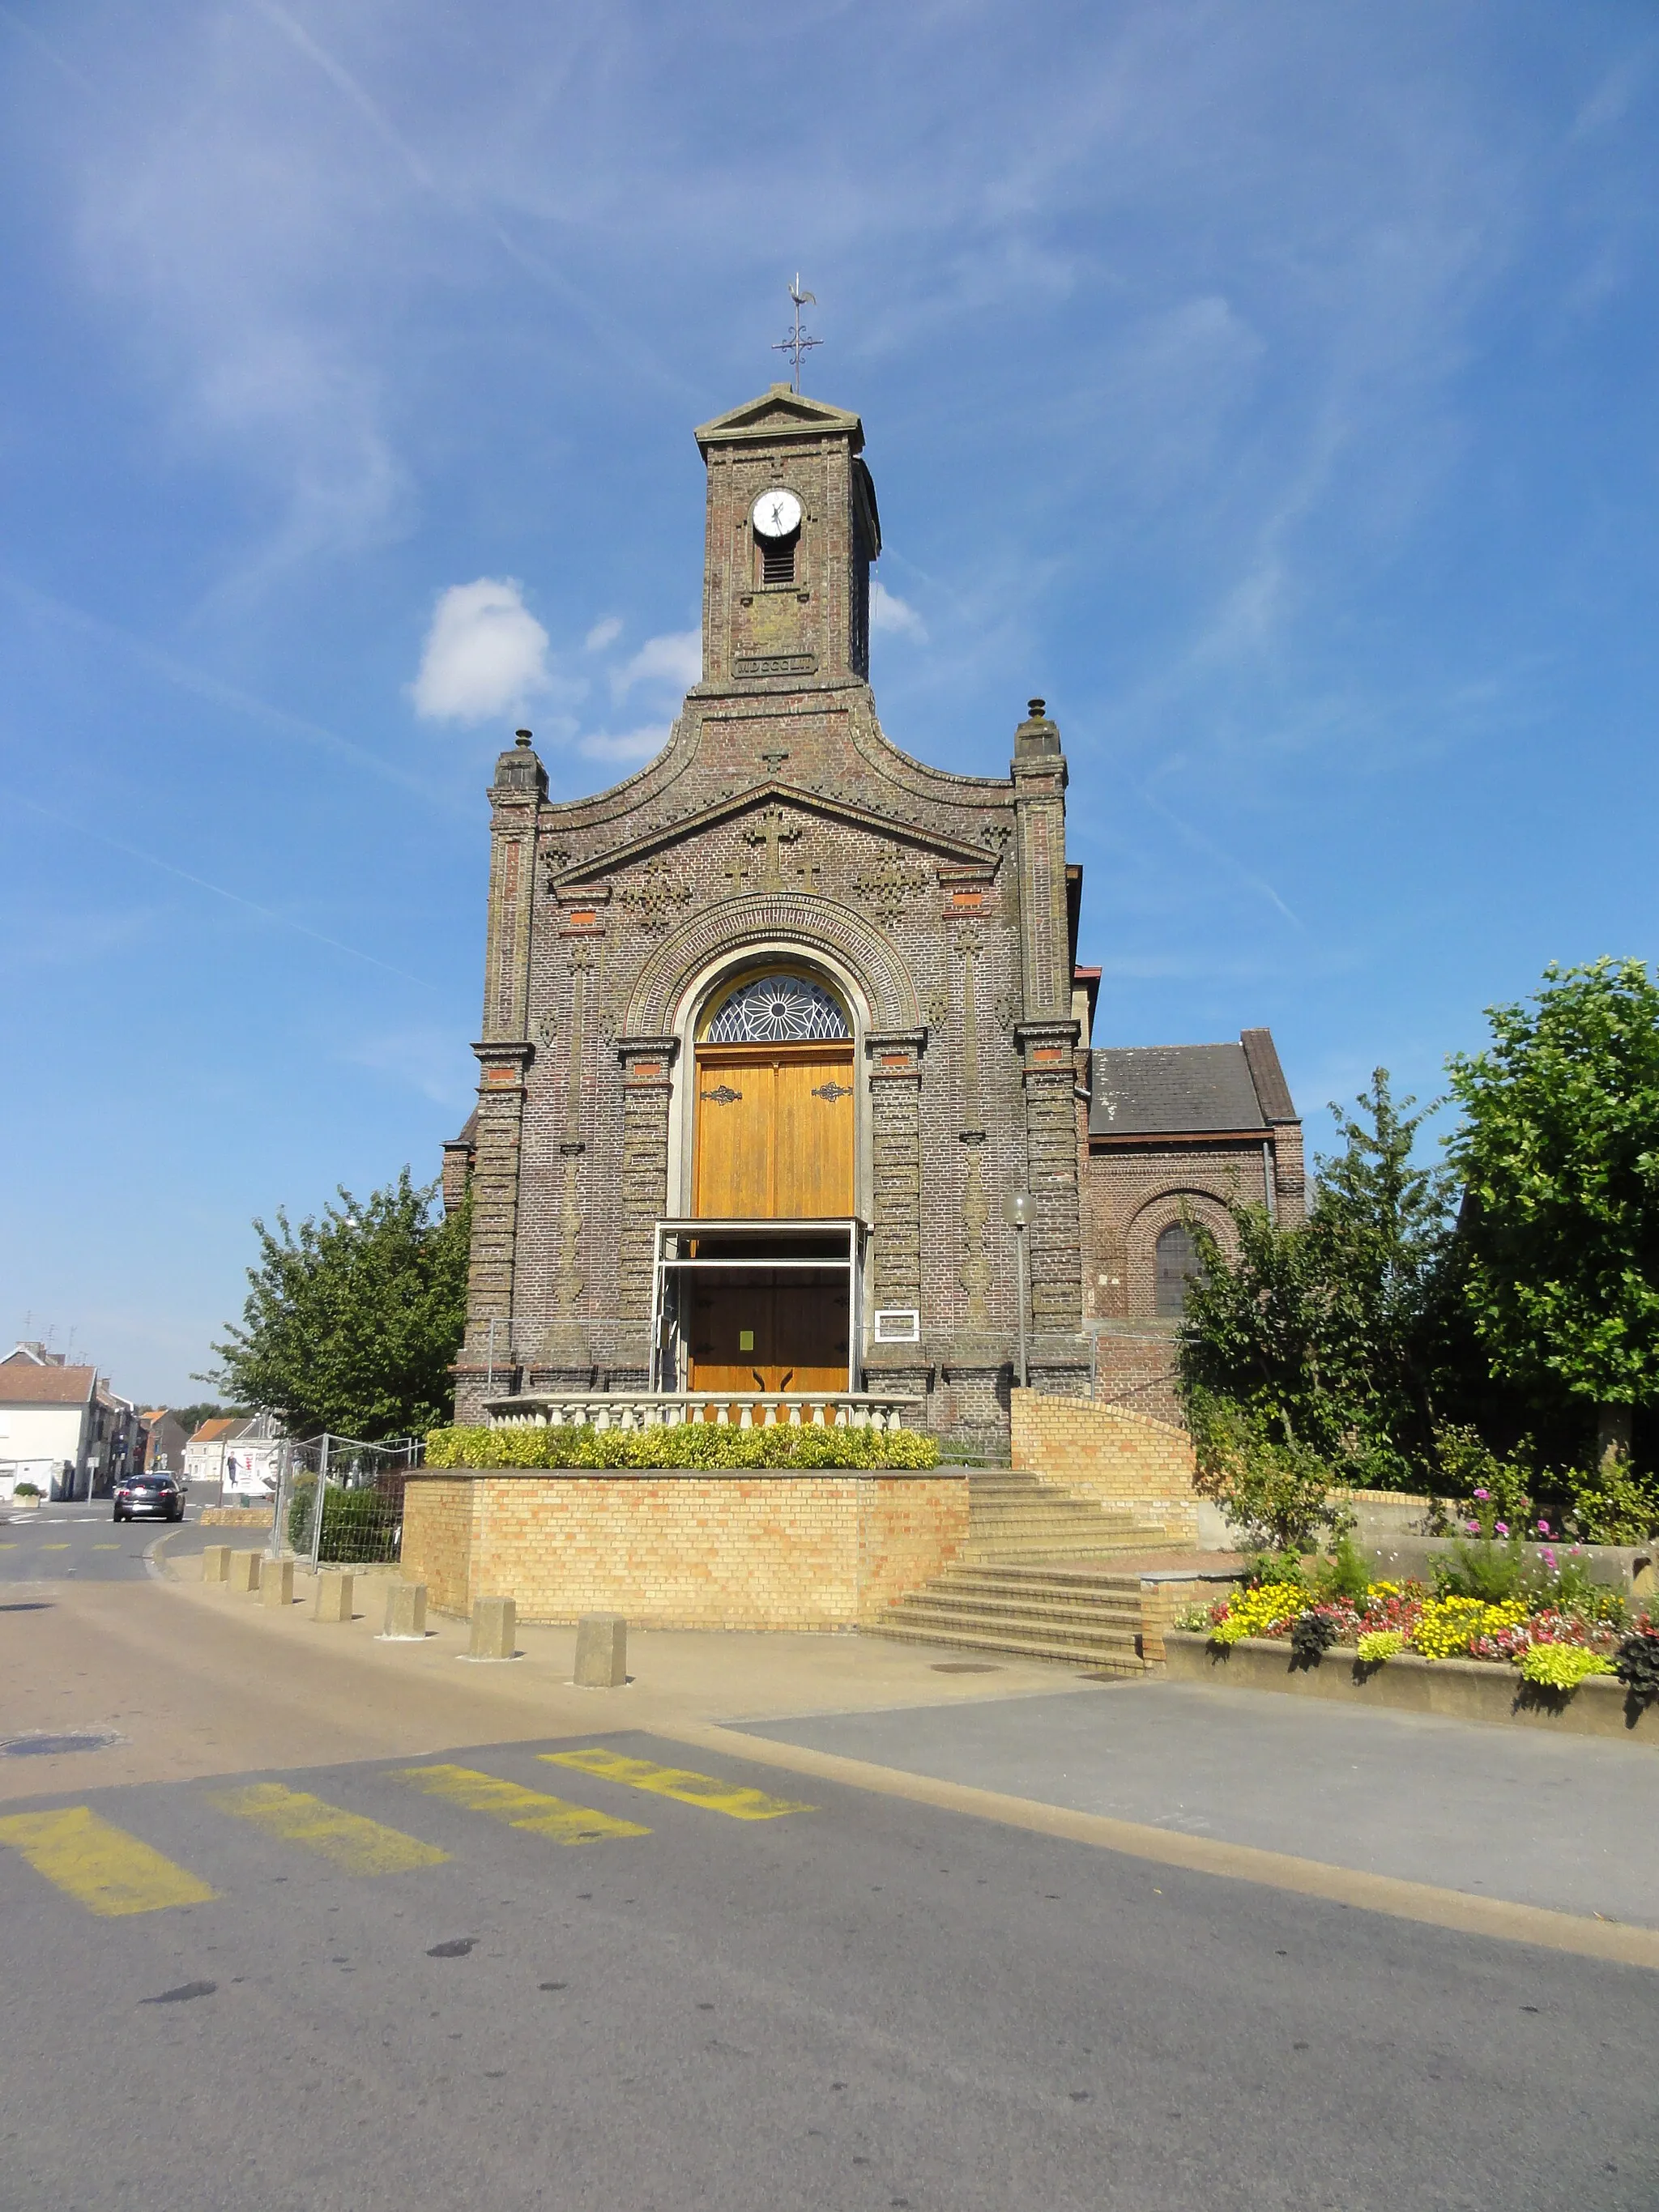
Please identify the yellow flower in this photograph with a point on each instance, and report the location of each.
(1253, 1612)
(1447, 1624)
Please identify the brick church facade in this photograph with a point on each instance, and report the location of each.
(775, 1028)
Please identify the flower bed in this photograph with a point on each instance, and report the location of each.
(1553, 1645)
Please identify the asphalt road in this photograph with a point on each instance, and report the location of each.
(83, 1541)
(863, 2002)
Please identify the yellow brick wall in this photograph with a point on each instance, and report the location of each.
(1129, 1462)
(437, 1547)
(698, 1550)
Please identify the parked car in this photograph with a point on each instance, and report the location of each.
(150, 1494)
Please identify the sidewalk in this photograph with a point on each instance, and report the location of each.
(198, 1681)
(1566, 1822)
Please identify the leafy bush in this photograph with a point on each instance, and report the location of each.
(1608, 1505)
(1472, 1473)
(1561, 1666)
(1380, 1644)
(1490, 1568)
(1272, 1488)
(1311, 1637)
(1345, 1575)
(25, 1489)
(1637, 1662)
(696, 1444)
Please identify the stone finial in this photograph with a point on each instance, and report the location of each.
(1038, 735)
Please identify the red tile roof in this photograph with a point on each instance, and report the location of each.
(23, 1385)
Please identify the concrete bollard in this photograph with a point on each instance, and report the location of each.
(333, 1598)
(277, 1582)
(405, 1611)
(243, 1572)
(495, 1629)
(216, 1564)
(601, 1651)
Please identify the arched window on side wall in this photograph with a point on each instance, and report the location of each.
(1178, 1264)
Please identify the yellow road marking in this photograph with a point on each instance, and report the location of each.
(54, 1547)
(347, 1840)
(101, 1867)
(705, 1789)
(551, 1817)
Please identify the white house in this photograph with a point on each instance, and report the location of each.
(60, 1427)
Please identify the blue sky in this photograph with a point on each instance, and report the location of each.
(1271, 387)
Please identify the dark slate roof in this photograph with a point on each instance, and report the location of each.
(1181, 1090)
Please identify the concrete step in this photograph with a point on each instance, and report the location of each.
(1118, 1578)
(1051, 1624)
(1109, 1658)
(1051, 1545)
(1049, 1598)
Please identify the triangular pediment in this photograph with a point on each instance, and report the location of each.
(780, 413)
(954, 852)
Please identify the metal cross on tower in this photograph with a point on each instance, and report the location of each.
(798, 342)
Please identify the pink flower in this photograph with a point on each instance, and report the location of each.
(1473, 1527)
(1483, 1495)
(1502, 1527)
(1543, 1527)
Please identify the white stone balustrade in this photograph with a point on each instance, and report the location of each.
(651, 1409)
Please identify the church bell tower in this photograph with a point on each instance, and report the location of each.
(792, 530)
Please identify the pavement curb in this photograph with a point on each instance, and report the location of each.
(1615, 1942)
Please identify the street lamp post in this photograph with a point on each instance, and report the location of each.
(1020, 1209)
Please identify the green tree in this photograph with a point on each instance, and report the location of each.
(1559, 1153)
(190, 1418)
(351, 1322)
(1332, 1333)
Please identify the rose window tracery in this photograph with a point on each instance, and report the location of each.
(777, 1010)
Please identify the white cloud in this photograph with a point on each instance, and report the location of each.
(894, 616)
(603, 634)
(635, 745)
(485, 654)
(675, 659)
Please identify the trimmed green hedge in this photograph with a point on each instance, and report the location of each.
(695, 1444)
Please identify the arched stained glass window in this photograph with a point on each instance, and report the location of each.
(777, 1010)
(1178, 1264)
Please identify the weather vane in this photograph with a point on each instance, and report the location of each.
(798, 342)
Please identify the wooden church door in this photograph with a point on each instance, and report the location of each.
(774, 1131)
(774, 1139)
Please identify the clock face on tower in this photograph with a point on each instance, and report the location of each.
(776, 514)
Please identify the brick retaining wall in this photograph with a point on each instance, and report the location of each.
(1129, 1462)
(754, 1549)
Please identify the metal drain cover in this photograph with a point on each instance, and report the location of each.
(45, 1746)
(963, 1666)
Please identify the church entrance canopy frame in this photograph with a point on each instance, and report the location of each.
(775, 1305)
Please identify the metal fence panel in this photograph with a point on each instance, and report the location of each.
(340, 1502)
